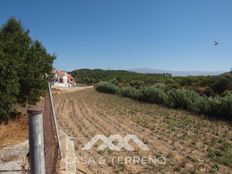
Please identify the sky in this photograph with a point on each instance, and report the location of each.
(128, 34)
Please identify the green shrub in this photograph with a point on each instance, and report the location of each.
(136, 84)
(227, 92)
(107, 87)
(226, 107)
(186, 81)
(174, 85)
(222, 83)
(218, 107)
(222, 154)
(130, 92)
(208, 92)
(203, 105)
(154, 95)
(159, 85)
(214, 106)
(184, 99)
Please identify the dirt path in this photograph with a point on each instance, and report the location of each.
(59, 90)
(169, 134)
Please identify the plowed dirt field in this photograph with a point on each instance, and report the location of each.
(187, 142)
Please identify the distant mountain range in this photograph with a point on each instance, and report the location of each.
(177, 73)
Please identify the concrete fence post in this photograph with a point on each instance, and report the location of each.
(36, 141)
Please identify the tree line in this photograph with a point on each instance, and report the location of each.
(93, 76)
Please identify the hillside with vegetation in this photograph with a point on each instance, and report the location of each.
(92, 76)
(204, 85)
(208, 95)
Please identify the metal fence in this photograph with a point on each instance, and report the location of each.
(51, 138)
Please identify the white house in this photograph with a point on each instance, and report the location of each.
(63, 79)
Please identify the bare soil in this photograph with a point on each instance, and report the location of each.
(184, 139)
(14, 144)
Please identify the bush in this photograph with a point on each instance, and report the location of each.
(203, 105)
(107, 87)
(136, 84)
(214, 106)
(130, 92)
(208, 92)
(186, 81)
(184, 99)
(226, 107)
(222, 83)
(174, 85)
(154, 95)
(159, 85)
(227, 92)
(218, 107)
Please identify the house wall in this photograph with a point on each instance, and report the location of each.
(62, 79)
(58, 84)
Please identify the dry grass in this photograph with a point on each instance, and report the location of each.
(14, 131)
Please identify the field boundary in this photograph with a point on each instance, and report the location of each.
(52, 150)
(54, 118)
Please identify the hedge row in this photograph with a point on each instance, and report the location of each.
(107, 87)
(218, 107)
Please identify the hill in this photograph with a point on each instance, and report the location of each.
(204, 85)
(92, 76)
(177, 73)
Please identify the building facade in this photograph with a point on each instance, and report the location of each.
(63, 79)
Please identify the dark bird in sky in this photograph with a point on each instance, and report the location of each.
(215, 43)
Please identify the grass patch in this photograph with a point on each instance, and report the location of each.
(14, 131)
(222, 155)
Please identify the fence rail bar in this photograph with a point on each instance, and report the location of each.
(54, 118)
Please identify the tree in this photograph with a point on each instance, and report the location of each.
(23, 65)
(35, 71)
(14, 45)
